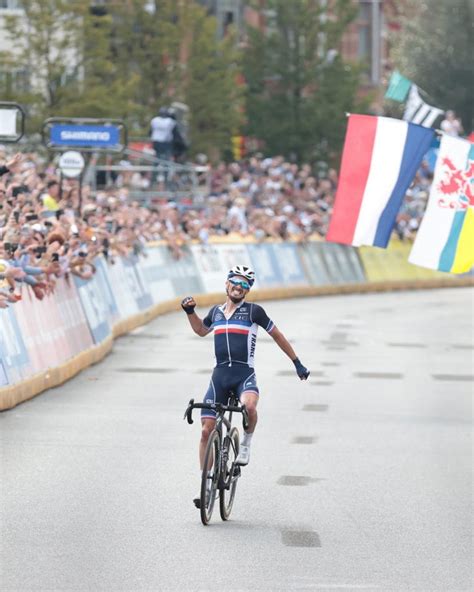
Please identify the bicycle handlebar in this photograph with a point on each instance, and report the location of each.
(219, 407)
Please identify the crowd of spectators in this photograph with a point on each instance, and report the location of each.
(48, 230)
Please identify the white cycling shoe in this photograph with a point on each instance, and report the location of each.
(243, 456)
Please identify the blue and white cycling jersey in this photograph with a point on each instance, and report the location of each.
(235, 339)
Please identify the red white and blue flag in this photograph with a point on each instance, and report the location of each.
(380, 158)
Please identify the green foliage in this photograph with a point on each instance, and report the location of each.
(435, 52)
(212, 90)
(65, 50)
(125, 62)
(298, 87)
(146, 47)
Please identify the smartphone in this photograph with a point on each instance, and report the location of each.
(20, 189)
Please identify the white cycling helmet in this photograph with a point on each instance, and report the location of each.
(243, 270)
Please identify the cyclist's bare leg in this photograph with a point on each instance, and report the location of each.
(208, 424)
(250, 400)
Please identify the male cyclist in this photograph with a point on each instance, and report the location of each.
(235, 325)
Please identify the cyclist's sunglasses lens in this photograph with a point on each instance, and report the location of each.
(240, 283)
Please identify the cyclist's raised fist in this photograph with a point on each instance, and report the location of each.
(188, 304)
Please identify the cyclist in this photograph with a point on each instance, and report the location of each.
(235, 325)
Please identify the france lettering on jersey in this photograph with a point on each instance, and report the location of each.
(235, 339)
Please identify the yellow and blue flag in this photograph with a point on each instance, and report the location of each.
(445, 240)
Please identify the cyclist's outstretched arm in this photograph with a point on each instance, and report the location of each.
(285, 345)
(188, 304)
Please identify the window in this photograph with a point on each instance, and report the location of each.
(12, 81)
(11, 4)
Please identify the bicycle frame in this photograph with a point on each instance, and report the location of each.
(223, 441)
(222, 420)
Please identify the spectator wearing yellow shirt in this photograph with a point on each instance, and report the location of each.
(50, 199)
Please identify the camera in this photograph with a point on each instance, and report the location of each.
(20, 189)
(10, 247)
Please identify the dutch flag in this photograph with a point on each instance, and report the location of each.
(379, 161)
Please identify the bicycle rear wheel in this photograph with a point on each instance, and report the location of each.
(210, 477)
(227, 493)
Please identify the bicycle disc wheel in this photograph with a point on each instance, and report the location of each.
(227, 493)
(210, 477)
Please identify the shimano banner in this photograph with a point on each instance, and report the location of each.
(86, 136)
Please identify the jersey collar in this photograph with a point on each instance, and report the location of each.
(222, 306)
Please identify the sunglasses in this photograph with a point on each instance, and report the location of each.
(241, 283)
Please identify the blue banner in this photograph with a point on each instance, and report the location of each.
(315, 265)
(98, 136)
(136, 284)
(95, 306)
(265, 263)
(289, 263)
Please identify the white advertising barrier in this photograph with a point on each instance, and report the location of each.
(36, 336)
(184, 274)
(154, 268)
(49, 333)
(122, 287)
(14, 360)
(95, 295)
(275, 264)
(214, 261)
(330, 263)
(343, 269)
(137, 282)
(168, 277)
(289, 264)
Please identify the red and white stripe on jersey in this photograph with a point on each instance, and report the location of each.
(231, 328)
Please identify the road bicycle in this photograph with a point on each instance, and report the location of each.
(220, 472)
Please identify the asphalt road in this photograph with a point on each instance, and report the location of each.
(360, 479)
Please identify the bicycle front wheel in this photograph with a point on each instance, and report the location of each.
(210, 477)
(227, 493)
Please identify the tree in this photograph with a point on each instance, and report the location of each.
(127, 60)
(64, 48)
(147, 45)
(435, 52)
(211, 89)
(298, 86)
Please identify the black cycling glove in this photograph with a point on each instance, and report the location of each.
(188, 308)
(301, 370)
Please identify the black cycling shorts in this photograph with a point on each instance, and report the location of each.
(237, 378)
